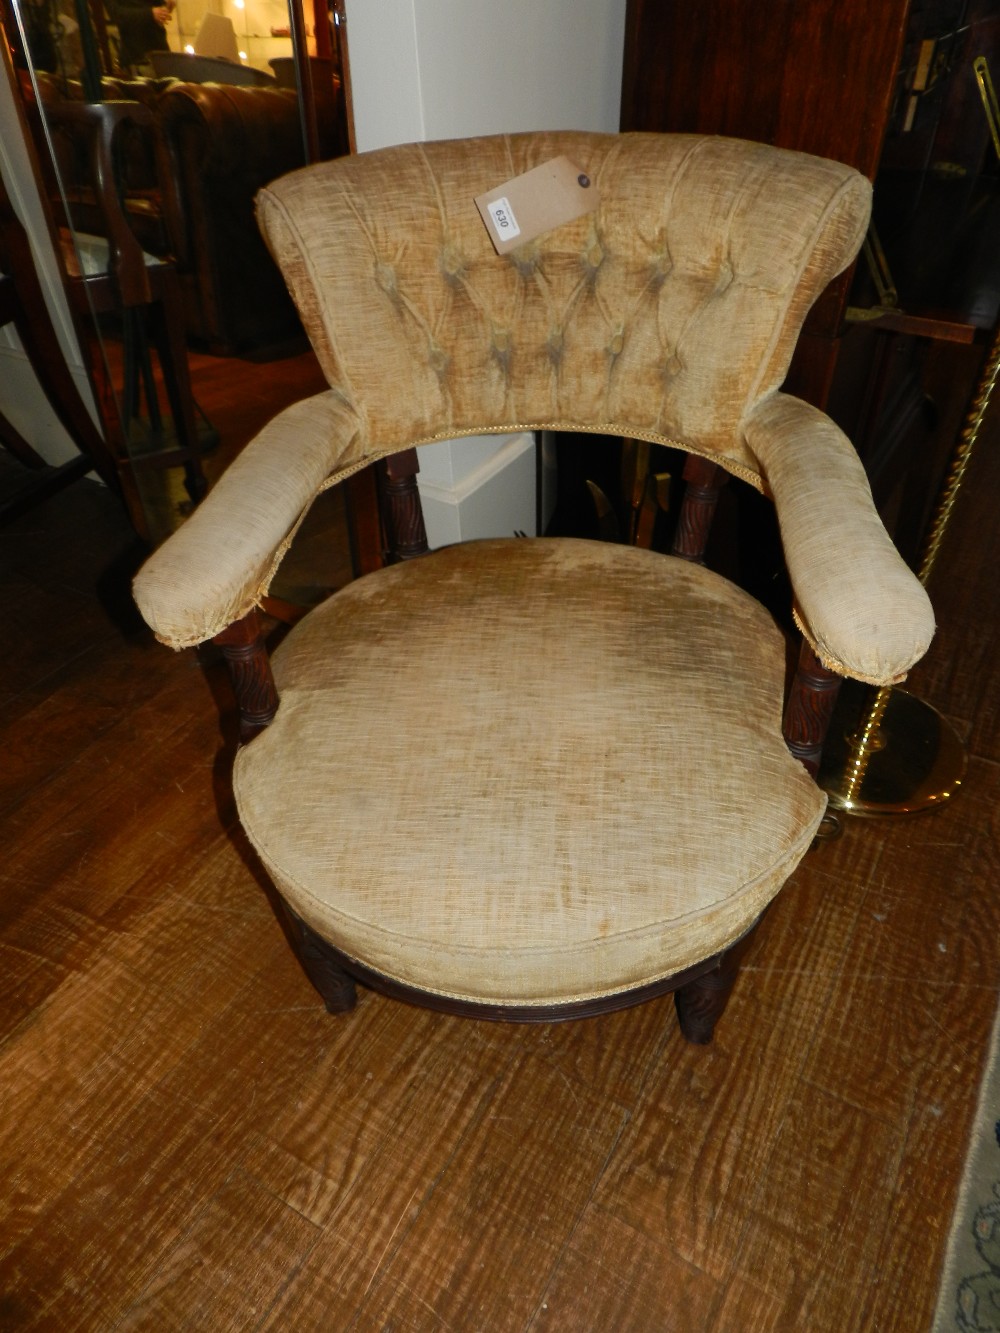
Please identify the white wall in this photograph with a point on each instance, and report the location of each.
(438, 69)
(521, 65)
(385, 75)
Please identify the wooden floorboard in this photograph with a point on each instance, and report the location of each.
(188, 1141)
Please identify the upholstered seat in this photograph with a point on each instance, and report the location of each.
(545, 776)
(572, 811)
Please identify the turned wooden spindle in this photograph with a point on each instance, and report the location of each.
(364, 524)
(705, 481)
(809, 708)
(701, 1003)
(336, 987)
(406, 536)
(246, 657)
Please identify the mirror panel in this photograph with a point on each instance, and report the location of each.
(188, 271)
(262, 28)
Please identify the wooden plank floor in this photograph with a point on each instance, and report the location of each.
(187, 1140)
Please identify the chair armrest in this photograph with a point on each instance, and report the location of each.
(857, 602)
(220, 564)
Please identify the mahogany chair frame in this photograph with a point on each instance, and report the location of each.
(701, 992)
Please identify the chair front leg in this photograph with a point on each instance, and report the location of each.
(321, 965)
(701, 1003)
(810, 706)
(246, 657)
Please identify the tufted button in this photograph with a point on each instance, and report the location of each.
(594, 257)
(452, 264)
(659, 270)
(438, 359)
(525, 260)
(724, 278)
(501, 349)
(617, 343)
(554, 346)
(672, 366)
(385, 276)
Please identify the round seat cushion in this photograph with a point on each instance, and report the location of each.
(530, 771)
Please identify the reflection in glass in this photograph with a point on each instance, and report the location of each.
(152, 213)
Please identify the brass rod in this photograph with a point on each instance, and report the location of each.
(960, 459)
(863, 745)
(986, 91)
(867, 740)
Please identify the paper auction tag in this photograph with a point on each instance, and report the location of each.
(541, 199)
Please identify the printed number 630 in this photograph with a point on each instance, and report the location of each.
(504, 219)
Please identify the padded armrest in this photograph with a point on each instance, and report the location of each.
(219, 565)
(857, 602)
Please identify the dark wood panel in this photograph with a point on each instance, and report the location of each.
(818, 77)
(890, 89)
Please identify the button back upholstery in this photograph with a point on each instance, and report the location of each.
(673, 308)
(542, 777)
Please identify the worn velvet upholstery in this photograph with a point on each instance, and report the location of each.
(535, 772)
(518, 808)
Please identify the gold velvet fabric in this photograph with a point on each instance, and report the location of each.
(669, 314)
(675, 324)
(503, 773)
(531, 772)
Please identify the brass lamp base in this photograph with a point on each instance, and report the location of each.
(889, 753)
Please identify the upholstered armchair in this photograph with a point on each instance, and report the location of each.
(542, 778)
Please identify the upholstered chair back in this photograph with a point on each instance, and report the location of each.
(544, 778)
(668, 313)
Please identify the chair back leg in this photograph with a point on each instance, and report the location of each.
(705, 481)
(402, 516)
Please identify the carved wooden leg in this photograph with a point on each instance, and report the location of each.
(404, 520)
(702, 1002)
(322, 966)
(809, 709)
(246, 657)
(363, 522)
(705, 481)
